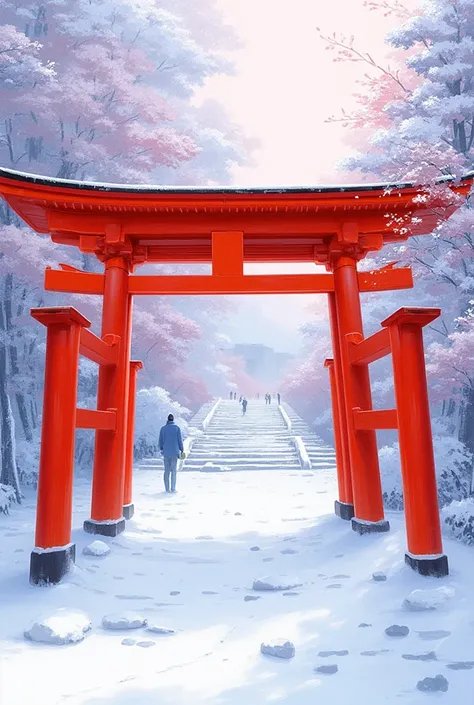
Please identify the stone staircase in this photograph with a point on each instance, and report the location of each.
(320, 454)
(259, 440)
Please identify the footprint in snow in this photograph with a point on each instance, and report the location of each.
(461, 665)
(326, 654)
(175, 592)
(118, 577)
(374, 653)
(340, 577)
(427, 656)
(146, 644)
(133, 597)
(251, 598)
(19, 550)
(334, 586)
(433, 635)
(290, 594)
(268, 559)
(204, 538)
(209, 592)
(137, 553)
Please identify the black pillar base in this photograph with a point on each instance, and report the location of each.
(48, 567)
(128, 511)
(343, 510)
(113, 528)
(433, 567)
(370, 527)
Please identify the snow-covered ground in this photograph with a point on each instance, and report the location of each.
(188, 562)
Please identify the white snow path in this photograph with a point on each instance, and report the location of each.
(197, 544)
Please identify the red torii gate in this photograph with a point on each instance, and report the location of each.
(125, 226)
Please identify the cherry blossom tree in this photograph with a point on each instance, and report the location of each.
(414, 122)
(101, 91)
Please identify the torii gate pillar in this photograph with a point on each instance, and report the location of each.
(110, 446)
(363, 455)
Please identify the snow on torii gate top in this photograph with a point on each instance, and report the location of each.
(225, 226)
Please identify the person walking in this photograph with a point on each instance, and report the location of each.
(171, 447)
(244, 406)
(231, 396)
(235, 396)
(269, 398)
(279, 399)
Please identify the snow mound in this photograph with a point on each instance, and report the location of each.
(280, 648)
(124, 620)
(423, 600)
(211, 467)
(272, 584)
(96, 548)
(156, 629)
(379, 577)
(63, 626)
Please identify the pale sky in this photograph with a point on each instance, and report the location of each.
(285, 86)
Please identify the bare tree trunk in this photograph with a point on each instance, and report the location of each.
(466, 425)
(9, 471)
(13, 354)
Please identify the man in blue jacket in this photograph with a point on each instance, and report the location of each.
(171, 446)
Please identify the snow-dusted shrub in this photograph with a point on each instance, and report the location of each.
(458, 520)
(27, 459)
(152, 409)
(453, 470)
(7, 498)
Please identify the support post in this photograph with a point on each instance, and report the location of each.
(344, 505)
(54, 553)
(343, 509)
(128, 507)
(420, 496)
(367, 488)
(109, 458)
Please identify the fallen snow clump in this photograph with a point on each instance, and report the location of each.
(96, 548)
(423, 600)
(159, 630)
(124, 620)
(272, 584)
(280, 648)
(63, 626)
(211, 467)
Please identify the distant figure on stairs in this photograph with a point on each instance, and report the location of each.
(244, 406)
(235, 396)
(171, 447)
(240, 399)
(231, 396)
(279, 398)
